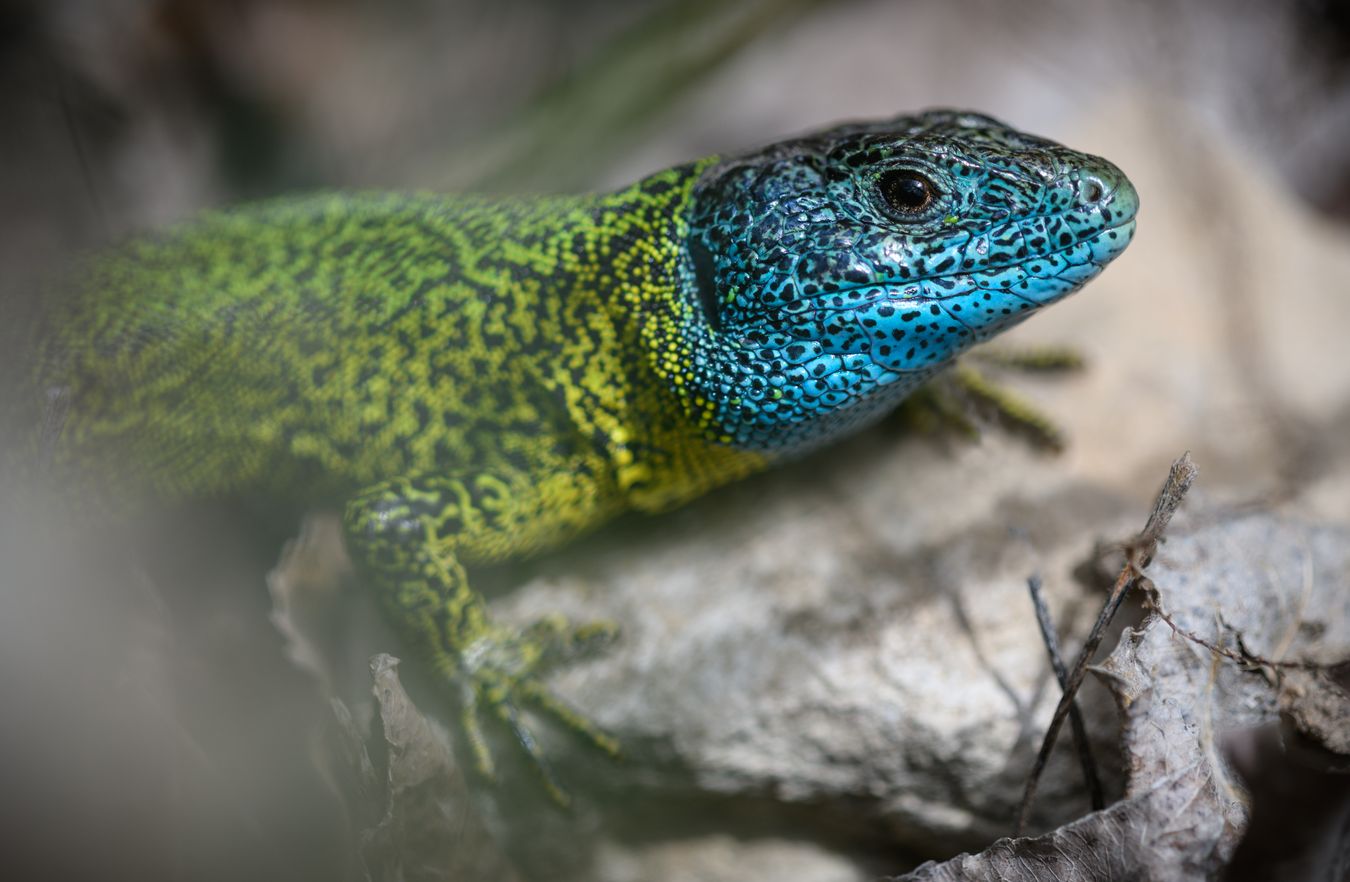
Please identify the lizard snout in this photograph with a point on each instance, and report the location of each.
(1101, 186)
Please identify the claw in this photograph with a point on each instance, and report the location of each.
(594, 636)
(473, 733)
(1039, 359)
(550, 704)
(525, 738)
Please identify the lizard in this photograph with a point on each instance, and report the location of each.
(475, 379)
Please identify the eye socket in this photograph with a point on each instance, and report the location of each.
(907, 192)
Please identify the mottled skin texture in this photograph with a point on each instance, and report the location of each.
(477, 379)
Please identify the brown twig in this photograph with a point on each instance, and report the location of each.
(1081, 744)
(1138, 555)
(1241, 655)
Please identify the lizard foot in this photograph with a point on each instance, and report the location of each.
(408, 534)
(498, 675)
(950, 401)
(1010, 410)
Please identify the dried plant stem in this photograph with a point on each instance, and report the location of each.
(1138, 554)
(1082, 745)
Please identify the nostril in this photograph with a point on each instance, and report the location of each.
(1091, 190)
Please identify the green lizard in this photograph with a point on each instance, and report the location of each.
(478, 379)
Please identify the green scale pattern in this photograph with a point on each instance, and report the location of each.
(325, 343)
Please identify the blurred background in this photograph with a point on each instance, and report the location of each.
(130, 113)
(1224, 330)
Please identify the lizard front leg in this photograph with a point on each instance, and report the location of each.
(411, 537)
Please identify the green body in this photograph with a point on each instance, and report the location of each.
(317, 346)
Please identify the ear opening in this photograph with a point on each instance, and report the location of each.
(705, 280)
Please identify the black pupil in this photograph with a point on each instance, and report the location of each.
(906, 191)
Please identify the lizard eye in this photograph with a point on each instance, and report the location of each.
(907, 192)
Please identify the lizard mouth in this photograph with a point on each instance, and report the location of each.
(905, 333)
(1102, 245)
(1073, 264)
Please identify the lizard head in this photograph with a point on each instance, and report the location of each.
(835, 272)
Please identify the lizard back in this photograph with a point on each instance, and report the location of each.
(319, 344)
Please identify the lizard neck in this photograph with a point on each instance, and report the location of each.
(637, 259)
(715, 383)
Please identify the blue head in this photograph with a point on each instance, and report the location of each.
(830, 275)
